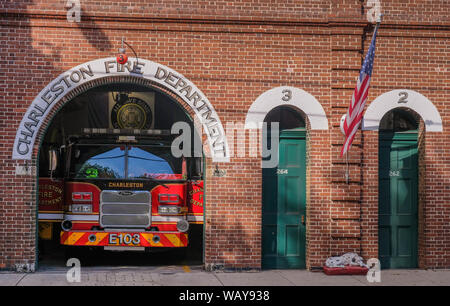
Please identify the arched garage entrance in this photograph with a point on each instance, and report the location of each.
(73, 83)
(94, 159)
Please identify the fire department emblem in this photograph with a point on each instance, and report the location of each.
(134, 113)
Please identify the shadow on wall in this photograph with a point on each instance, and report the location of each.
(93, 33)
(31, 64)
(435, 199)
(21, 86)
(233, 250)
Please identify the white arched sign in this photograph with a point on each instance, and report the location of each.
(290, 96)
(164, 76)
(402, 98)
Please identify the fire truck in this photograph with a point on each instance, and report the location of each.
(120, 190)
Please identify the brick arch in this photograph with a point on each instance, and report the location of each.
(78, 79)
(402, 98)
(287, 96)
(105, 81)
(316, 123)
(33, 180)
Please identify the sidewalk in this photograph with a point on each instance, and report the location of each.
(195, 276)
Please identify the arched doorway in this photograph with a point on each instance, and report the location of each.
(398, 189)
(112, 140)
(284, 191)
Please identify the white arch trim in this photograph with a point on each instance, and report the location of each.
(286, 95)
(100, 68)
(402, 98)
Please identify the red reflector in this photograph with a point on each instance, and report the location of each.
(163, 198)
(82, 196)
(173, 198)
(87, 196)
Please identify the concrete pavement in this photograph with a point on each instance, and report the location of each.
(196, 276)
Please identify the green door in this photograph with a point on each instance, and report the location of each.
(397, 222)
(284, 205)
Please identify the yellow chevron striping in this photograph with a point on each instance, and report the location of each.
(73, 238)
(149, 238)
(173, 239)
(99, 236)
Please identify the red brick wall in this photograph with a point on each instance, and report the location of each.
(234, 51)
(421, 141)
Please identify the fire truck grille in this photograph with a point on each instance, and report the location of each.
(125, 209)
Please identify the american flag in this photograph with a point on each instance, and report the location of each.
(359, 98)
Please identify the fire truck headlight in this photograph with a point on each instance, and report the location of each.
(182, 226)
(81, 208)
(66, 225)
(169, 210)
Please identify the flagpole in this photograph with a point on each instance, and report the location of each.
(365, 74)
(380, 17)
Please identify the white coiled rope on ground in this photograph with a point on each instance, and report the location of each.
(348, 259)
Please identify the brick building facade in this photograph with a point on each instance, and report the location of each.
(236, 52)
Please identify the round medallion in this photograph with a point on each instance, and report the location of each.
(134, 113)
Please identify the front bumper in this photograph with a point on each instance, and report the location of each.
(130, 239)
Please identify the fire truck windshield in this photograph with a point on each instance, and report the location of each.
(100, 161)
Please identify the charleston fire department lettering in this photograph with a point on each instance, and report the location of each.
(196, 195)
(70, 80)
(44, 103)
(199, 104)
(50, 195)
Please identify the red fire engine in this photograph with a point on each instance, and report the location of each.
(113, 189)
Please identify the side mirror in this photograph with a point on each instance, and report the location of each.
(52, 160)
(198, 167)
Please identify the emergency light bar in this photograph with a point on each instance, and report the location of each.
(92, 131)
